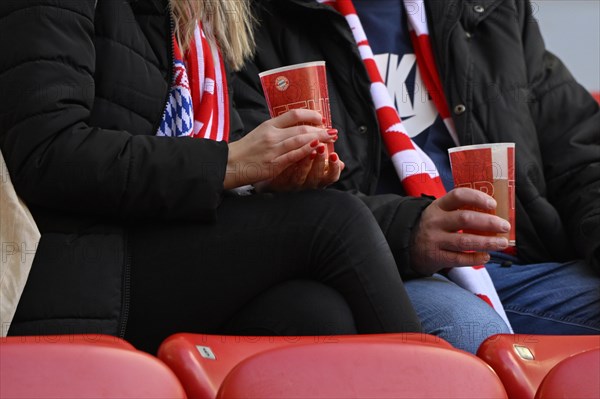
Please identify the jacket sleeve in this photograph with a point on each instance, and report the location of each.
(568, 124)
(398, 216)
(59, 162)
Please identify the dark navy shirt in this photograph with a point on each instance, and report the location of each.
(385, 25)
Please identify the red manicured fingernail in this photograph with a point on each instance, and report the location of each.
(332, 132)
(314, 143)
(313, 155)
(335, 138)
(321, 149)
(324, 120)
(333, 157)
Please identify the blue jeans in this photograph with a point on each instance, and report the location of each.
(452, 313)
(548, 298)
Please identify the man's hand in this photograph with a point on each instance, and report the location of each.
(437, 242)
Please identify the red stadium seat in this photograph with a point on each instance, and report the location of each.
(522, 361)
(362, 370)
(201, 362)
(577, 376)
(81, 366)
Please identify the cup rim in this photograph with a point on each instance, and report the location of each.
(291, 67)
(480, 146)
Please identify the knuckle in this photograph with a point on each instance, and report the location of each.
(428, 225)
(299, 141)
(453, 243)
(461, 194)
(303, 129)
(467, 242)
(270, 138)
(296, 113)
(464, 217)
(427, 234)
(493, 224)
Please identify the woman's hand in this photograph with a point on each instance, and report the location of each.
(274, 146)
(318, 170)
(437, 242)
(323, 173)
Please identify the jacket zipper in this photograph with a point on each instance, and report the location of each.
(171, 74)
(127, 271)
(126, 288)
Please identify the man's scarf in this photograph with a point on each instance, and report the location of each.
(198, 100)
(416, 170)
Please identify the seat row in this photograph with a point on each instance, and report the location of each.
(357, 366)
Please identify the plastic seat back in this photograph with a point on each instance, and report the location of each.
(577, 376)
(201, 362)
(522, 361)
(73, 366)
(362, 370)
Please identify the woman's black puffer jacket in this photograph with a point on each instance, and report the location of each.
(83, 90)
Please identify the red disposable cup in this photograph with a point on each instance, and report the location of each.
(298, 86)
(489, 168)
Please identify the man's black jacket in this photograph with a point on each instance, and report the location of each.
(493, 62)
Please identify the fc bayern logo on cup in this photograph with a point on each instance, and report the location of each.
(282, 83)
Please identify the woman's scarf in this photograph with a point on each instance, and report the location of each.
(416, 170)
(198, 100)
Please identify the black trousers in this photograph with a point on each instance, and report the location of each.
(296, 264)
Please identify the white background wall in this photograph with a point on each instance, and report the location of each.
(571, 29)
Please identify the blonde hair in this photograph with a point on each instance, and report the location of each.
(228, 22)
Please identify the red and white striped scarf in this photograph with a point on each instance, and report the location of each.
(198, 102)
(416, 170)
